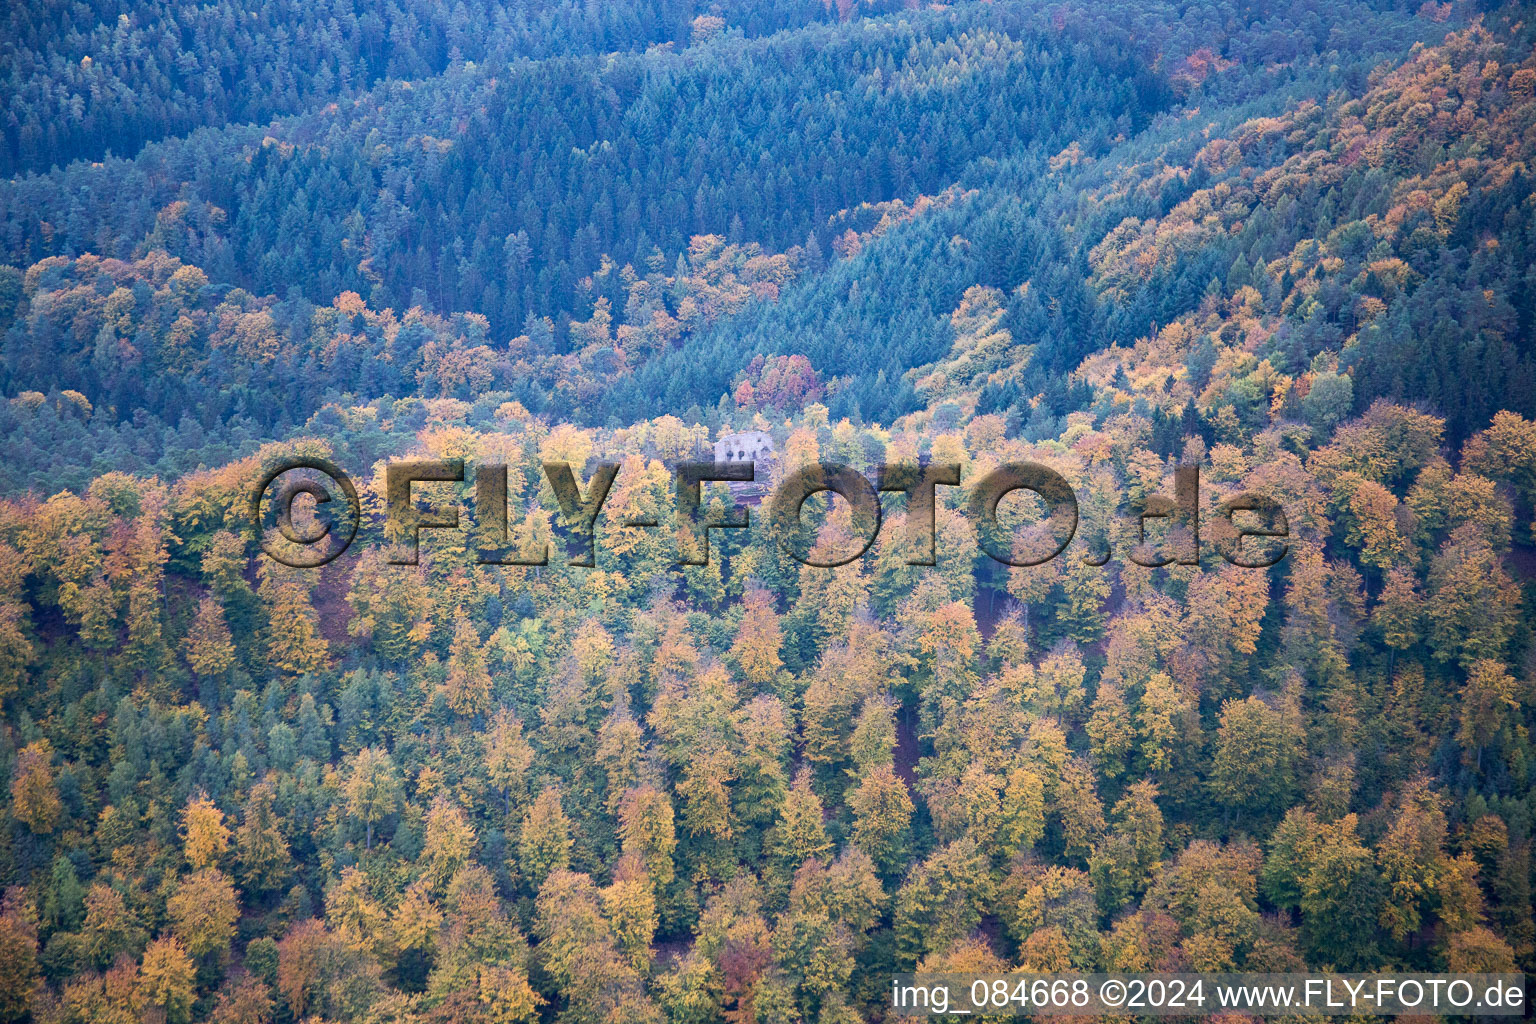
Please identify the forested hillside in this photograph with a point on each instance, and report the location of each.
(85, 79)
(498, 189)
(1289, 243)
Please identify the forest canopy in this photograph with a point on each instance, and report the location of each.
(1290, 243)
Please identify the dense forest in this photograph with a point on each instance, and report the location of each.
(86, 79)
(1290, 243)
